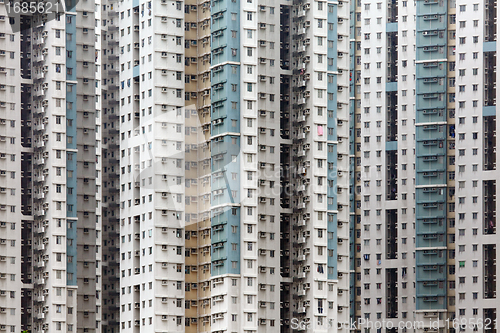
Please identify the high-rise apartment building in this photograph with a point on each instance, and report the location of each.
(50, 206)
(425, 163)
(229, 220)
(384, 163)
(312, 132)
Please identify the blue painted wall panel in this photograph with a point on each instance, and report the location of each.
(71, 166)
(225, 146)
(431, 204)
